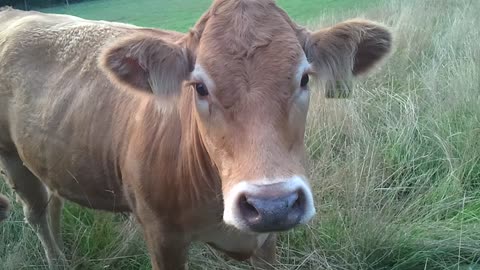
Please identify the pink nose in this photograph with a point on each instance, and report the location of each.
(262, 212)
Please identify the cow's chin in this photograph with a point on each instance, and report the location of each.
(269, 205)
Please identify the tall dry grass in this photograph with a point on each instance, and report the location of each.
(397, 167)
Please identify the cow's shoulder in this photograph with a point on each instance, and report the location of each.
(63, 36)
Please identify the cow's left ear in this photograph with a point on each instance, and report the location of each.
(147, 63)
(347, 49)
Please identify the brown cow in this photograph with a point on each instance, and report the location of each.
(199, 135)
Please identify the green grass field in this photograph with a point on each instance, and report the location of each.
(395, 169)
(180, 15)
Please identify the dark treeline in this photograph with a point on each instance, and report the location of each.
(30, 4)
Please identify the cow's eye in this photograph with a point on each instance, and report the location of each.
(304, 81)
(201, 89)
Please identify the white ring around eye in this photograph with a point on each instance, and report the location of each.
(303, 97)
(203, 106)
(199, 74)
(303, 68)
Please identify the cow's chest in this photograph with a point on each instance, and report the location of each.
(237, 244)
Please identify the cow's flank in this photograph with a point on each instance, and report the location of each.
(199, 135)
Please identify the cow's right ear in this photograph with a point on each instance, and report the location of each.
(147, 63)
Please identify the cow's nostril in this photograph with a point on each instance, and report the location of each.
(249, 211)
(300, 201)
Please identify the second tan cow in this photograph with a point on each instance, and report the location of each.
(199, 135)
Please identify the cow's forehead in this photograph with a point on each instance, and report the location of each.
(278, 61)
(245, 40)
(248, 46)
(238, 28)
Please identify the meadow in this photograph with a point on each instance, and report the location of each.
(395, 168)
(180, 15)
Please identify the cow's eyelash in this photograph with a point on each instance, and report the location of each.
(192, 83)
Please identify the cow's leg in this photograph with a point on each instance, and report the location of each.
(55, 207)
(265, 256)
(34, 197)
(167, 248)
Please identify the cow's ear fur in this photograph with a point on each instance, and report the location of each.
(147, 63)
(345, 50)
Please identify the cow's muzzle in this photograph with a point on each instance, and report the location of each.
(268, 206)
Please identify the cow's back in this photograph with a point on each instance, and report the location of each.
(58, 111)
(29, 40)
(43, 56)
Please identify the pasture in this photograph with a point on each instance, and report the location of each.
(180, 15)
(395, 168)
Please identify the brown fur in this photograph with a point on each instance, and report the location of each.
(75, 127)
(4, 207)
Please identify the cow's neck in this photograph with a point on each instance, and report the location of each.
(167, 157)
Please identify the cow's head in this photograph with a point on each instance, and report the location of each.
(247, 67)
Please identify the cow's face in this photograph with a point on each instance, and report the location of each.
(251, 87)
(247, 68)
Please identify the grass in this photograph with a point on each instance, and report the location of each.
(179, 16)
(395, 169)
